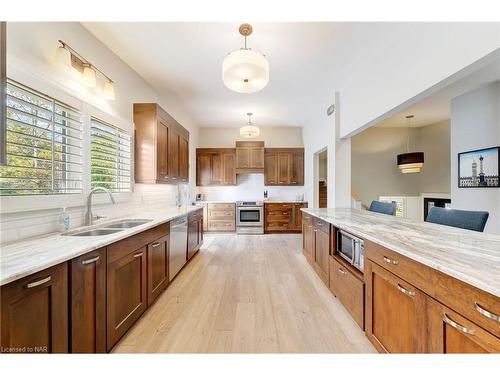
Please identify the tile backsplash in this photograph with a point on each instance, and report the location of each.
(20, 225)
(251, 187)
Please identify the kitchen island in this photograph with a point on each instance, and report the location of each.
(424, 287)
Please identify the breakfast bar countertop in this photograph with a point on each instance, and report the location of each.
(468, 256)
(23, 258)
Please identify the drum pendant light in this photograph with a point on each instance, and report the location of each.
(245, 71)
(410, 162)
(249, 130)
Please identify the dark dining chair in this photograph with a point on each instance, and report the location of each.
(383, 208)
(472, 220)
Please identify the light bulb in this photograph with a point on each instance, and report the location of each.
(63, 57)
(89, 76)
(109, 90)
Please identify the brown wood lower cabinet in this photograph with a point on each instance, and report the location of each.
(349, 287)
(195, 232)
(449, 332)
(34, 313)
(283, 217)
(88, 303)
(157, 267)
(395, 312)
(126, 293)
(317, 244)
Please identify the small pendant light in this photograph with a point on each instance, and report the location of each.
(410, 162)
(249, 130)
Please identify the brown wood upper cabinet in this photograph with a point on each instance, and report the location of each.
(284, 166)
(161, 146)
(249, 156)
(215, 166)
(34, 313)
(88, 302)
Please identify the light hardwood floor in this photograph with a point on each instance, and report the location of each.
(246, 294)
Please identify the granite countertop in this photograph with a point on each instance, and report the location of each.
(283, 201)
(26, 257)
(469, 256)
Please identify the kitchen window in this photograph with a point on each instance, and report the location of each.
(110, 157)
(43, 145)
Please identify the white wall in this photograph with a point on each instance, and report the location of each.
(283, 136)
(374, 168)
(30, 51)
(475, 124)
(398, 61)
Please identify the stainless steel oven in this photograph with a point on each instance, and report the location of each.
(351, 248)
(249, 217)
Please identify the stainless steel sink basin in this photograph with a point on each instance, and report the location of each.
(126, 224)
(95, 232)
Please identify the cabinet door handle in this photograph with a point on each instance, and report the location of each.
(294, 182)
(156, 244)
(486, 313)
(38, 282)
(455, 325)
(342, 271)
(138, 255)
(91, 260)
(405, 291)
(391, 261)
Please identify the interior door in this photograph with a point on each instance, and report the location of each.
(395, 312)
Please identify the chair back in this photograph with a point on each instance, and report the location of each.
(472, 220)
(383, 207)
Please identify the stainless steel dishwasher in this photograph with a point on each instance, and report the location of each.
(178, 246)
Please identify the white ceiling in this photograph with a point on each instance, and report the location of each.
(436, 107)
(185, 60)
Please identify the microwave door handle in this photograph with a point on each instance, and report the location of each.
(355, 254)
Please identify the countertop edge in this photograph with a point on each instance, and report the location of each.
(420, 259)
(88, 248)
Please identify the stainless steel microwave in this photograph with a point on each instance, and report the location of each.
(351, 248)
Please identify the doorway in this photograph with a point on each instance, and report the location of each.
(321, 178)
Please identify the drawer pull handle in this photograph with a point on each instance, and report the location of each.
(486, 313)
(37, 283)
(342, 271)
(91, 260)
(391, 261)
(455, 325)
(406, 291)
(156, 244)
(138, 255)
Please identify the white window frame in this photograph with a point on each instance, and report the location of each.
(11, 204)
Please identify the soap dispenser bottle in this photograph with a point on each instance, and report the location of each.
(63, 222)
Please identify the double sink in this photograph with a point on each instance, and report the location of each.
(108, 228)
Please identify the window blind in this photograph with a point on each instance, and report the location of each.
(110, 157)
(43, 145)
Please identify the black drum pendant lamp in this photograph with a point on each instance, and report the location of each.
(410, 162)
